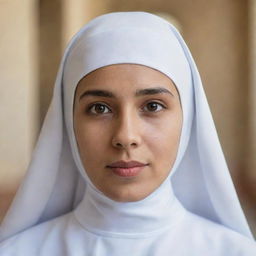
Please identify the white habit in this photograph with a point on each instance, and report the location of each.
(58, 211)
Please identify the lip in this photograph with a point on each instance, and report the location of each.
(127, 169)
(124, 164)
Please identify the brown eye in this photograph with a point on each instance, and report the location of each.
(99, 109)
(153, 107)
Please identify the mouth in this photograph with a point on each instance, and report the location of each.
(127, 169)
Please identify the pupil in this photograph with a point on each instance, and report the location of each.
(152, 106)
(100, 108)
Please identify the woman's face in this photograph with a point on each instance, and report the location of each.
(127, 123)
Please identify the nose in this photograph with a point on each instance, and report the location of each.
(126, 132)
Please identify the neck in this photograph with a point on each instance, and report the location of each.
(158, 211)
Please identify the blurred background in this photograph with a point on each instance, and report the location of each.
(220, 34)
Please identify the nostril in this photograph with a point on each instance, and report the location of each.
(123, 145)
(118, 144)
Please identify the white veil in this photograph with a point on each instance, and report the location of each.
(54, 185)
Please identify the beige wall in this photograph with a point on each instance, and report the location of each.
(252, 90)
(49, 49)
(18, 90)
(76, 13)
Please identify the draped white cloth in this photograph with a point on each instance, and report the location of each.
(58, 211)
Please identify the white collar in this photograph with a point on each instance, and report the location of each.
(159, 211)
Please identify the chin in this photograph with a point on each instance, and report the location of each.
(126, 194)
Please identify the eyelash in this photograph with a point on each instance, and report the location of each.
(90, 108)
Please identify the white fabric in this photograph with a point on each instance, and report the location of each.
(56, 181)
(171, 230)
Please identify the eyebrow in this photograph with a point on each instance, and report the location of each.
(152, 91)
(142, 92)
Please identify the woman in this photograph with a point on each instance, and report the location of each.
(128, 161)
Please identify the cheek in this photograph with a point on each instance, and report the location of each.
(163, 137)
(91, 139)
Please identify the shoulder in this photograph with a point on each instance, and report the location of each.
(219, 238)
(33, 240)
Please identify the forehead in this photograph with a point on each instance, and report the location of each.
(125, 78)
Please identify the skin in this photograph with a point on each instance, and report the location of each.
(144, 128)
